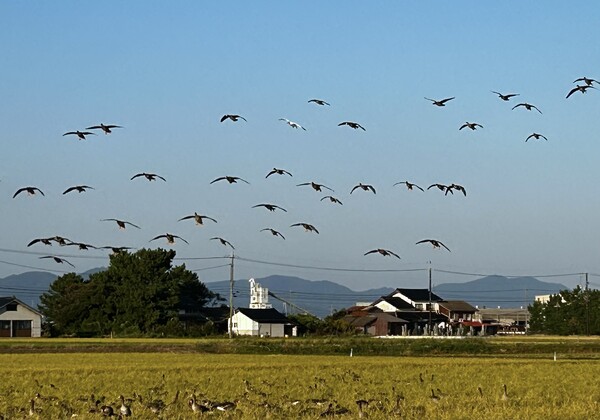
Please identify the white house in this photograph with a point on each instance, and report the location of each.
(262, 323)
(18, 319)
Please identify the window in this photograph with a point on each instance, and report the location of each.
(4, 325)
(22, 325)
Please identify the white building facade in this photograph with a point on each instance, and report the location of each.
(18, 319)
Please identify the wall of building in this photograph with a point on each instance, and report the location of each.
(24, 314)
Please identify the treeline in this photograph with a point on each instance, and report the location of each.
(139, 294)
(570, 312)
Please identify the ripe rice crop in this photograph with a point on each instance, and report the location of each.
(289, 386)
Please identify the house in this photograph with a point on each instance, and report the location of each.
(457, 310)
(268, 322)
(18, 319)
(418, 298)
(375, 322)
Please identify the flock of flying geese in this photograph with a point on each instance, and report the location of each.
(586, 84)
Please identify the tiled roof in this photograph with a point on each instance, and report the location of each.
(417, 295)
(458, 306)
(5, 300)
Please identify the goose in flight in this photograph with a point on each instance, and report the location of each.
(409, 185)
(332, 199)
(78, 188)
(169, 237)
(536, 136)
(434, 242)
(352, 124)
(292, 123)
(319, 102)
(579, 88)
(527, 106)
(106, 128)
(306, 226)
(58, 260)
(364, 187)
(230, 179)
(472, 126)
(457, 188)
(223, 241)
(315, 186)
(117, 249)
(149, 177)
(60, 240)
(505, 97)
(441, 187)
(120, 223)
(441, 102)
(273, 232)
(45, 241)
(232, 117)
(270, 207)
(29, 190)
(278, 172)
(585, 80)
(198, 218)
(80, 134)
(82, 246)
(384, 252)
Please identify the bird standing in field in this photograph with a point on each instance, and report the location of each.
(384, 252)
(434, 242)
(409, 185)
(124, 410)
(307, 227)
(278, 172)
(318, 102)
(364, 187)
(58, 260)
(270, 207)
(232, 117)
(536, 136)
(78, 188)
(230, 179)
(472, 126)
(352, 124)
(80, 134)
(315, 186)
(505, 97)
(273, 232)
(148, 176)
(121, 223)
(579, 88)
(29, 190)
(198, 218)
(441, 102)
(106, 128)
(223, 241)
(169, 237)
(527, 106)
(292, 123)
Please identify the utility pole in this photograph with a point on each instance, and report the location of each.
(587, 305)
(429, 328)
(231, 296)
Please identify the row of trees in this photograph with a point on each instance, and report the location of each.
(570, 312)
(139, 293)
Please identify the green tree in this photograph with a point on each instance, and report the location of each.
(138, 293)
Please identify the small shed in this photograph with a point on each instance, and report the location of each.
(18, 319)
(268, 322)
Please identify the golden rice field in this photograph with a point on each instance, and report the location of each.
(289, 387)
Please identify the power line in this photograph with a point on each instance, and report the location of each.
(209, 268)
(34, 268)
(354, 270)
(507, 276)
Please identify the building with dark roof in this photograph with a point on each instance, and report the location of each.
(18, 319)
(267, 322)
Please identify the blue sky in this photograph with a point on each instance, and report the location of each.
(168, 72)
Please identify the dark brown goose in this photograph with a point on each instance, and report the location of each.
(29, 190)
(278, 172)
(230, 179)
(121, 223)
(409, 185)
(318, 102)
(585, 80)
(315, 186)
(384, 252)
(149, 177)
(472, 126)
(223, 241)
(527, 106)
(307, 227)
(434, 242)
(536, 136)
(232, 117)
(169, 237)
(78, 188)
(106, 128)
(270, 207)
(505, 97)
(80, 134)
(273, 232)
(352, 124)
(58, 260)
(579, 88)
(198, 218)
(332, 199)
(364, 187)
(441, 102)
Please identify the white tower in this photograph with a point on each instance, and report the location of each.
(259, 296)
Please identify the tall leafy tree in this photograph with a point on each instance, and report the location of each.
(136, 294)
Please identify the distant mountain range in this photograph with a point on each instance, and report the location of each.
(322, 297)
